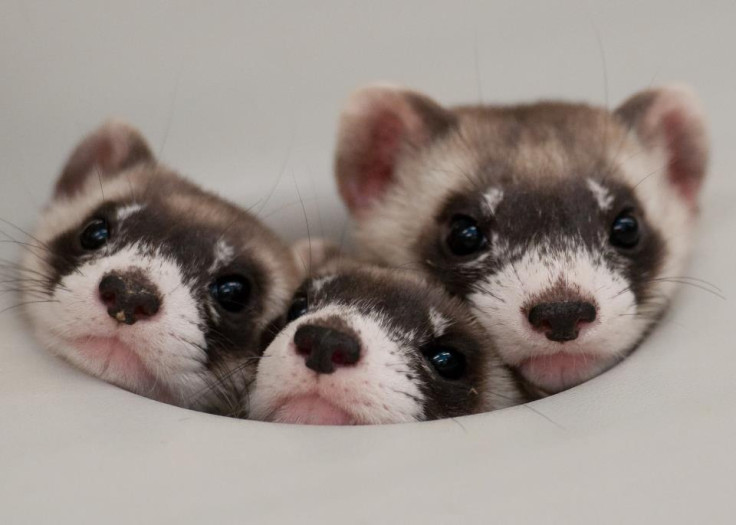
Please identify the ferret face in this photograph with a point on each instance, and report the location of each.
(365, 346)
(149, 282)
(561, 225)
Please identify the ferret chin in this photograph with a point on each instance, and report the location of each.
(142, 279)
(564, 226)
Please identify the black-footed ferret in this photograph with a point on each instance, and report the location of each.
(368, 345)
(566, 227)
(141, 278)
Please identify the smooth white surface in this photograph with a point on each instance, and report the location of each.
(232, 92)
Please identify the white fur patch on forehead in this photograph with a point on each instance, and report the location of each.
(374, 390)
(223, 254)
(439, 322)
(126, 211)
(320, 282)
(602, 196)
(493, 198)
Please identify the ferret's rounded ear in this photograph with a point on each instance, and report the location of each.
(671, 119)
(111, 148)
(378, 125)
(312, 254)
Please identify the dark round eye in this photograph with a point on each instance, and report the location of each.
(95, 234)
(625, 231)
(448, 362)
(231, 292)
(465, 236)
(299, 307)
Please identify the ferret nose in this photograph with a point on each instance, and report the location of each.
(129, 297)
(326, 348)
(561, 321)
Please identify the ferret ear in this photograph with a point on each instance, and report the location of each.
(377, 126)
(312, 254)
(671, 119)
(111, 148)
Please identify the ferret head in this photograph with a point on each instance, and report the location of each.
(365, 345)
(564, 226)
(148, 282)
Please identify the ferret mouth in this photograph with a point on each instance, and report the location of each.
(561, 370)
(312, 409)
(115, 361)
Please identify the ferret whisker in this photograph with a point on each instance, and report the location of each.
(27, 303)
(280, 209)
(404, 393)
(172, 108)
(30, 291)
(41, 244)
(282, 171)
(99, 179)
(220, 379)
(651, 174)
(476, 62)
(689, 278)
(308, 269)
(538, 412)
(694, 285)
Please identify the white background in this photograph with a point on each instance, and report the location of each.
(242, 96)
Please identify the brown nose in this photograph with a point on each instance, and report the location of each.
(129, 297)
(325, 348)
(560, 321)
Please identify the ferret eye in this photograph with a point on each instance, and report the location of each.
(448, 362)
(625, 231)
(231, 292)
(298, 308)
(465, 236)
(95, 234)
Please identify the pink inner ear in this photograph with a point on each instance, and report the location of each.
(684, 139)
(97, 156)
(684, 167)
(94, 153)
(375, 169)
